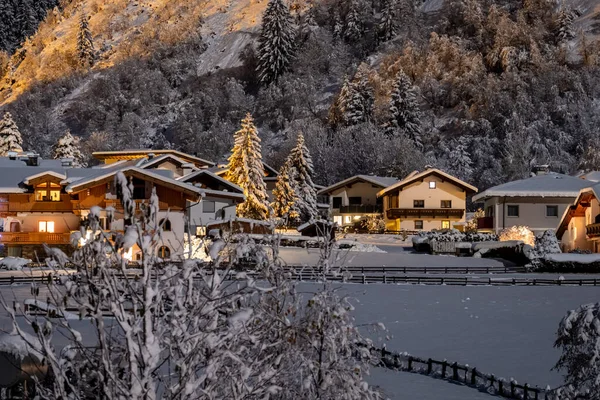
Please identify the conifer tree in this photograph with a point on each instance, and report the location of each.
(387, 24)
(459, 159)
(68, 147)
(405, 112)
(353, 30)
(85, 44)
(276, 42)
(337, 25)
(284, 194)
(10, 137)
(301, 168)
(357, 99)
(247, 171)
(564, 24)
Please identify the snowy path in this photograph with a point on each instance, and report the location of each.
(507, 331)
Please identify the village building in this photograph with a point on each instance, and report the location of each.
(537, 202)
(425, 201)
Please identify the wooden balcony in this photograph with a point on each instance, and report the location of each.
(34, 238)
(485, 223)
(426, 213)
(361, 209)
(593, 230)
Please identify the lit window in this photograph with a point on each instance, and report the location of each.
(164, 252)
(46, 226)
(200, 231)
(337, 219)
(356, 217)
(445, 224)
(347, 219)
(47, 192)
(432, 185)
(41, 195)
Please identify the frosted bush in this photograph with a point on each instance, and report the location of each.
(521, 233)
(546, 244)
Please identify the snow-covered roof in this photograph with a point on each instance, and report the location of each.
(381, 181)
(431, 171)
(204, 172)
(592, 176)
(44, 173)
(146, 164)
(139, 153)
(547, 185)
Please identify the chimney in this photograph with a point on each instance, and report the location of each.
(540, 169)
(12, 155)
(188, 168)
(33, 159)
(66, 163)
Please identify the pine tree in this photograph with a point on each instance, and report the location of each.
(247, 171)
(337, 25)
(405, 112)
(387, 24)
(85, 45)
(284, 194)
(10, 137)
(459, 159)
(353, 30)
(68, 147)
(564, 24)
(301, 169)
(357, 99)
(276, 42)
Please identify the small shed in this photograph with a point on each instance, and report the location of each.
(318, 228)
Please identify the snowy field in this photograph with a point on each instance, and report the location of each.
(506, 331)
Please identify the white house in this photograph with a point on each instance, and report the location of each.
(537, 202)
(355, 197)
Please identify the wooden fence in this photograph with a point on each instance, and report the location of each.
(459, 373)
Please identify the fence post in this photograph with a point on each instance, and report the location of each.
(525, 392)
(500, 388)
(364, 279)
(512, 388)
(474, 376)
(384, 277)
(410, 360)
(444, 364)
(454, 372)
(429, 366)
(12, 279)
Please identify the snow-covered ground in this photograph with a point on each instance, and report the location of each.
(506, 331)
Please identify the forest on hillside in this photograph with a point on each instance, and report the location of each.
(483, 89)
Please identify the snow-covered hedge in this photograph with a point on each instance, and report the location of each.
(569, 263)
(454, 235)
(14, 263)
(514, 250)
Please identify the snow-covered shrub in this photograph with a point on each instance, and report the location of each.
(187, 332)
(546, 244)
(14, 263)
(471, 225)
(373, 223)
(521, 233)
(454, 235)
(578, 337)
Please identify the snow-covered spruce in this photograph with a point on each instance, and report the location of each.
(10, 136)
(578, 337)
(246, 170)
(459, 159)
(357, 99)
(387, 23)
(176, 331)
(353, 30)
(85, 44)
(68, 147)
(276, 42)
(284, 194)
(405, 112)
(305, 194)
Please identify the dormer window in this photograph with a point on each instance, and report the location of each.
(47, 191)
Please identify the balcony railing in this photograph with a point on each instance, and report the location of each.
(34, 238)
(593, 230)
(485, 223)
(448, 213)
(361, 209)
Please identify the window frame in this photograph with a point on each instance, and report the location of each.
(432, 185)
(352, 200)
(420, 221)
(508, 208)
(446, 221)
(162, 251)
(46, 226)
(166, 225)
(336, 199)
(446, 201)
(552, 206)
(207, 202)
(422, 202)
